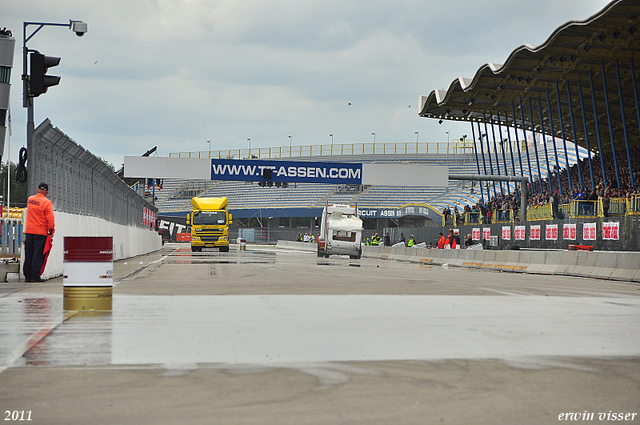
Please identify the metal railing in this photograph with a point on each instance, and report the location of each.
(455, 147)
(540, 212)
(618, 207)
(10, 236)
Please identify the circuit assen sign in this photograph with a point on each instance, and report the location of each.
(287, 171)
(406, 210)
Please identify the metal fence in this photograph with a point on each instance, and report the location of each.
(80, 183)
(10, 236)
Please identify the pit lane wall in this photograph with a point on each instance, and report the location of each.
(620, 265)
(128, 241)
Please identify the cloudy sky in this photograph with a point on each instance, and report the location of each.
(178, 73)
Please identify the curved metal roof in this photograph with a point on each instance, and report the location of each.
(537, 80)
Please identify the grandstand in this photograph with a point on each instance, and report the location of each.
(305, 199)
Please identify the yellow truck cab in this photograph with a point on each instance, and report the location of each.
(209, 222)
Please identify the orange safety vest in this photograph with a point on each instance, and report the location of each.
(40, 219)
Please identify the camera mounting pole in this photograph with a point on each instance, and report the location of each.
(80, 28)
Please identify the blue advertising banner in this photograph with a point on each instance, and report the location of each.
(286, 171)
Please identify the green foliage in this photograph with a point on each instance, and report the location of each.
(18, 190)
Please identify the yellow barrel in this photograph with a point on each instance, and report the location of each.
(88, 298)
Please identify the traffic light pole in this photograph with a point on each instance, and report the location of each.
(27, 100)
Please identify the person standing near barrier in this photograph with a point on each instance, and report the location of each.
(442, 241)
(468, 242)
(40, 223)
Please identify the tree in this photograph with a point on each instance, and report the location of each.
(18, 190)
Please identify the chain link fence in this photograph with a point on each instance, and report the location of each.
(80, 183)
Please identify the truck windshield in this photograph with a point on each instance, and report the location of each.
(209, 217)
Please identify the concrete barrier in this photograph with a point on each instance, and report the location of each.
(567, 263)
(128, 241)
(585, 263)
(623, 266)
(605, 264)
(6, 268)
(551, 262)
(627, 267)
(537, 261)
(300, 246)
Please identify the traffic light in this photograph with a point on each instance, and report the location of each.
(38, 80)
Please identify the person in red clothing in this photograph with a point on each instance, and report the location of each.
(442, 241)
(39, 224)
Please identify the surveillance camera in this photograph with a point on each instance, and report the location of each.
(80, 28)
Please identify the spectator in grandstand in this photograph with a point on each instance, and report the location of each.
(6, 32)
(40, 224)
(555, 204)
(605, 202)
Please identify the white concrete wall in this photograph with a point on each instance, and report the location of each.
(127, 241)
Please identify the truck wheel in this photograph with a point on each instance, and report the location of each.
(194, 249)
(320, 253)
(224, 248)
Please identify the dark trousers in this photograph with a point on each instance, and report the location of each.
(33, 255)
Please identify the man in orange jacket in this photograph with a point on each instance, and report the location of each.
(40, 223)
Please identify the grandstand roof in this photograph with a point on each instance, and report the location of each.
(574, 57)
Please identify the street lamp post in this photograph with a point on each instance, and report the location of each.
(331, 135)
(80, 28)
(209, 142)
(374, 137)
(249, 148)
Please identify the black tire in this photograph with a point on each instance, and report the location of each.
(224, 248)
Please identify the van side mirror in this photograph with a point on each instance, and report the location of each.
(230, 218)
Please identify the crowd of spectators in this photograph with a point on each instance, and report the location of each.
(552, 194)
(4, 31)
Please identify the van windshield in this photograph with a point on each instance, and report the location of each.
(209, 218)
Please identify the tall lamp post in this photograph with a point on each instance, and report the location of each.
(209, 143)
(28, 92)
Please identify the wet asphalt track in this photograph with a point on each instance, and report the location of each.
(180, 312)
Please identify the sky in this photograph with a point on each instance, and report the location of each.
(194, 75)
